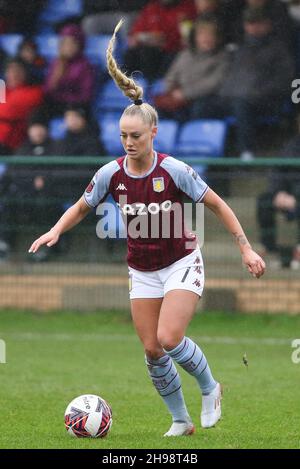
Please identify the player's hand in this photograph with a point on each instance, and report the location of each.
(254, 263)
(49, 238)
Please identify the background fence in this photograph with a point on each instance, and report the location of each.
(85, 273)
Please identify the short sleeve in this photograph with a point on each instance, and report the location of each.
(185, 178)
(98, 188)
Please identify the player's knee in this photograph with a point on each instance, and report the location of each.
(153, 352)
(169, 339)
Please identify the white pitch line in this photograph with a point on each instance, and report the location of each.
(223, 340)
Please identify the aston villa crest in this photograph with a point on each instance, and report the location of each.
(158, 184)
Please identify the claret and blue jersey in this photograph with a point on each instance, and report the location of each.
(167, 182)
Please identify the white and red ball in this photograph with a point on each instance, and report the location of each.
(88, 416)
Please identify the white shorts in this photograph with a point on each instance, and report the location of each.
(185, 274)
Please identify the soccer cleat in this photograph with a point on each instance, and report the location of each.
(211, 407)
(181, 429)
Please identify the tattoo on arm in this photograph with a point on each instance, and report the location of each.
(241, 239)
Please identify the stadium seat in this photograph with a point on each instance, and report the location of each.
(3, 168)
(48, 45)
(110, 131)
(165, 139)
(111, 115)
(110, 135)
(157, 87)
(57, 128)
(59, 10)
(202, 138)
(111, 98)
(44, 29)
(9, 43)
(95, 49)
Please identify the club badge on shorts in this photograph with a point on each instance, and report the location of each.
(158, 184)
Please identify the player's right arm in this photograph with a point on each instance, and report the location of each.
(70, 218)
(95, 193)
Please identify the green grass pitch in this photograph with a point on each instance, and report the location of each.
(55, 357)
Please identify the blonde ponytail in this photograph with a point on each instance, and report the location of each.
(128, 86)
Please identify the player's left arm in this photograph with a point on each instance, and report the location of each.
(255, 264)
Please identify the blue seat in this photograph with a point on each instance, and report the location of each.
(95, 49)
(111, 97)
(110, 135)
(48, 45)
(157, 87)
(59, 10)
(10, 43)
(166, 136)
(111, 115)
(202, 137)
(57, 128)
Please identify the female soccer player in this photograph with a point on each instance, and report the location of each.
(166, 273)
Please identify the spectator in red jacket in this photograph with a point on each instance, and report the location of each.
(21, 100)
(155, 37)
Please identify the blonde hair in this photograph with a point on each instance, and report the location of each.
(129, 87)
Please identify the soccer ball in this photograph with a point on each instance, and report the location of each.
(88, 416)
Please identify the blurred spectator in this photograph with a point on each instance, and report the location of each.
(155, 36)
(225, 18)
(29, 190)
(277, 11)
(196, 74)
(17, 16)
(282, 196)
(21, 100)
(82, 137)
(258, 81)
(101, 16)
(207, 6)
(35, 63)
(38, 141)
(71, 78)
(232, 10)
